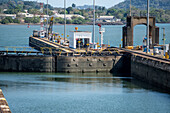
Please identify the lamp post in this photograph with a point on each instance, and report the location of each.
(163, 36)
(147, 51)
(93, 23)
(64, 20)
(47, 22)
(163, 40)
(130, 7)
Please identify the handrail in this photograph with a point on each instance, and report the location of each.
(146, 55)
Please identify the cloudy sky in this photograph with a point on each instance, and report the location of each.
(60, 3)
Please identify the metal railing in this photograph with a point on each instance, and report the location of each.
(9, 50)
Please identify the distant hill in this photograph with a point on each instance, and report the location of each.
(6, 1)
(142, 4)
(10, 4)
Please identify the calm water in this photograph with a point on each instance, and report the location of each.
(18, 35)
(79, 93)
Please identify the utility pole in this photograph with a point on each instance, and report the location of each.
(163, 36)
(147, 51)
(64, 20)
(130, 8)
(93, 23)
(47, 22)
(164, 39)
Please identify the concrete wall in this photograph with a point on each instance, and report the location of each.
(89, 64)
(150, 70)
(122, 65)
(27, 63)
(114, 64)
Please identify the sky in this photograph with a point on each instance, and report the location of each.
(60, 3)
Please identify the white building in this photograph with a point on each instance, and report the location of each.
(79, 39)
(31, 15)
(68, 16)
(106, 19)
(25, 15)
(7, 15)
(118, 20)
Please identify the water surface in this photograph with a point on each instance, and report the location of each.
(81, 93)
(18, 35)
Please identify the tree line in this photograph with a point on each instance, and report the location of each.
(162, 15)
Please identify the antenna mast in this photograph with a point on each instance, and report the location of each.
(64, 20)
(93, 23)
(41, 10)
(130, 8)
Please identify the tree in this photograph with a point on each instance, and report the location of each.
(36, 20)
(68, 21)
(16, 20)
(9, 19)
(49, 12)
(34, 11)
(4, 21)
(78, 12)
(110, 11)
(73, 5)
(100, 8)
(11, 11)
(59, 20)
(123, 19)
(28, 20)
(103, 8)
(69, 9)
(49, 6)
(62, 12)
(78, 20)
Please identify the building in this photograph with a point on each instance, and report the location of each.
(79, 39)
(118, 20)
(68, 16)
(23, 15)
(28, 15)
(106, 19)
(7, 15)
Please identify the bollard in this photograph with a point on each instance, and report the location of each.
(166, 55)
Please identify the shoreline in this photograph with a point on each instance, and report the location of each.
(56, 24)
(74, 24)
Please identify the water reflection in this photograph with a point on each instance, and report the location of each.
(74, 82)
(75, 92)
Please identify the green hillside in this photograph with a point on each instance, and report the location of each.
(142, 4)
(13, 4)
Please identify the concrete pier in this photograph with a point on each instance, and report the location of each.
(4, 108)
(63, 63)
(152, 70)
(27, 63)
(43, 44)
(88, 64)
